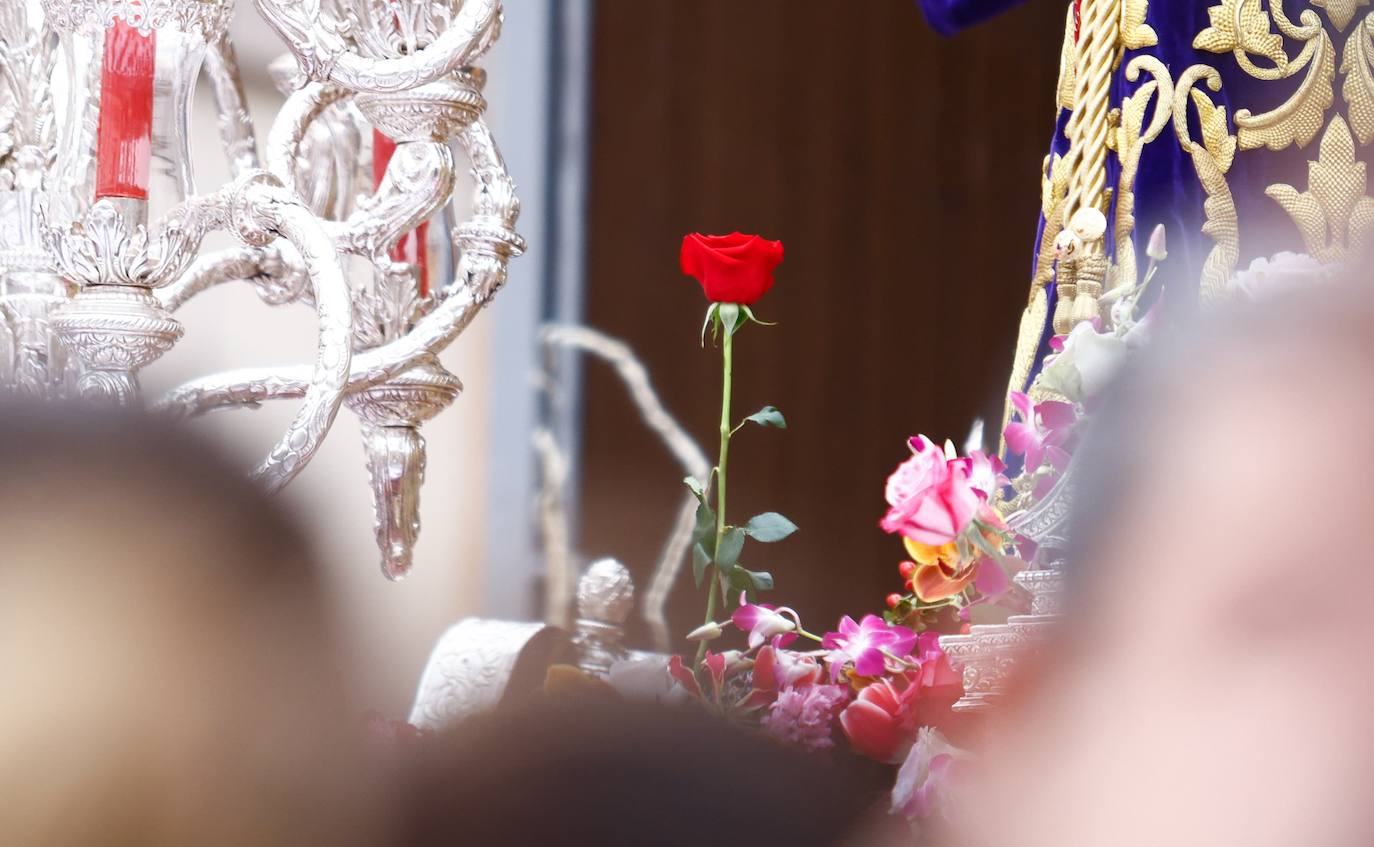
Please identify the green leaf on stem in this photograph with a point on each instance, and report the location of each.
(704, 533)
(767, 416)
(711, 317)
(749, 313)
(731, 545)
(730, 317)
(700, 560)
(769, 527)
(742, 579)
(694, 485)
(762, 580)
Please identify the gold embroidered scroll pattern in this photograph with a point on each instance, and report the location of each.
(1135, 33)
(1244, 29)
(1340, 11)
(1357, 60)
(1212, 158)
(1333, 214)
(1132, 135)
(1054, 188)
(1063, 96)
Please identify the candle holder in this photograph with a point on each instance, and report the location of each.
(102, 221)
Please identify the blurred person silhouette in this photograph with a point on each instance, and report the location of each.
(169, 675)
(569, 772)
(1210, 686)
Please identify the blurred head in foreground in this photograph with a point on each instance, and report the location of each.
(611, 773)
(167, 674)
(1213, 685)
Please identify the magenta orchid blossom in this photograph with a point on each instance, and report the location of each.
(1041, 432)
(763, 621)
(985, 473)
(776, 669)
(866, 645)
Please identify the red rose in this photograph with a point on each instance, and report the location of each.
(733, 268)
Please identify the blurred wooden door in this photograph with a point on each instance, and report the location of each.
(900, 171)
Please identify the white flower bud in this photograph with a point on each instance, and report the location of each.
(1157, 249)
(706, 632)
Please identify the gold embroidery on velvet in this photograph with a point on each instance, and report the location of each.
(1135, 33)
(1220, 145)
(1333, 214)
(1244, 29)
(1221, 226)
(1027, 345)
(1340, 11)
(1131, 137)
(1234, 25)
(1357, 62)
(1054, 188)
(1063, 97)
(1212, 158)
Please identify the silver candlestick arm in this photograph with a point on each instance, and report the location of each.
(88, 287)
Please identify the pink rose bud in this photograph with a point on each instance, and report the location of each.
(1157, 248)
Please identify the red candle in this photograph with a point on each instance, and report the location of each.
(124, 142)
(411, 247)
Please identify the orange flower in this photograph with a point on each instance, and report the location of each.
(940, 573)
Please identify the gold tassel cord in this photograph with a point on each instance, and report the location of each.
(1095, 58)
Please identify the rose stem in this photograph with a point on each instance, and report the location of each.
(727, 352)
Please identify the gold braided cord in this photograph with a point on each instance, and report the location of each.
(1095, 58)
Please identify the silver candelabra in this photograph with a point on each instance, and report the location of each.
(101, 223)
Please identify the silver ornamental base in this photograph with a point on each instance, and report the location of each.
(115, 331)
(474, 663)
(989, 654)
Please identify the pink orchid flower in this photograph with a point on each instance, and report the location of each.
(776, 669)
(719, 666)
(1041, 431)
(763, 621)
(866, 645)
(985, 473)
(684, 677)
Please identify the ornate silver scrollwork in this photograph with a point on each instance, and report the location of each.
(328, 50)
(87, 303)
(392, 413)
(469, 670)
(207, 18)
(989, 654)
(473, 662)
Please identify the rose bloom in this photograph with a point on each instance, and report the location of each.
(931, 498)
(733, 268)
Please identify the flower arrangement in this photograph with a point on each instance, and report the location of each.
(880, 686)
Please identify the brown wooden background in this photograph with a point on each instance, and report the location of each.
(900, 171)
